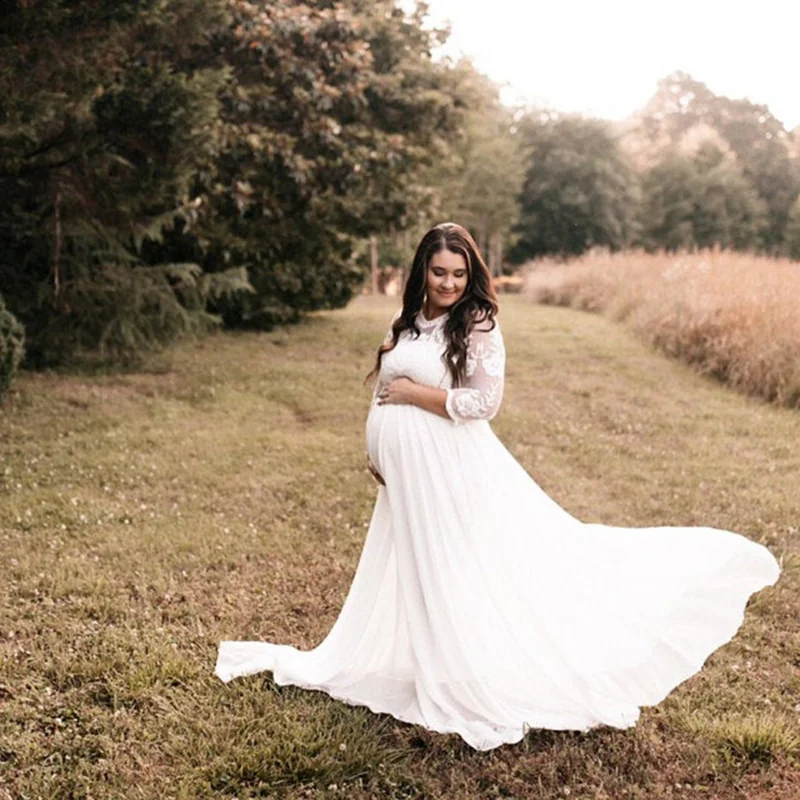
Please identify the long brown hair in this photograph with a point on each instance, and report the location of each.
(477, 304)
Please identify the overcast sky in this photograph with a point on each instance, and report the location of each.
(605, 57)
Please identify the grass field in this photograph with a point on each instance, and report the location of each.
(222, 493)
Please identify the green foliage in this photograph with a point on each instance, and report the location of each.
(579, 191)
(250, 144)
(699, 201)
(669, 191)
(132, 309)
(479, 182)
(793, 232)
(332, 113)
(714, 172)
(728, 210)
(101, 136)
(12, 347)
(759, 143)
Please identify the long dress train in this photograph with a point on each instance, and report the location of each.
(480, 606)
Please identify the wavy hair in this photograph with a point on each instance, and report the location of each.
(477, 304)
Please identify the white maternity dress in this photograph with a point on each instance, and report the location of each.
(481, 607)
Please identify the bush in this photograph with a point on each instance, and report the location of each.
(12, 347)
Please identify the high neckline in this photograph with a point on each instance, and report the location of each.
(427, 321)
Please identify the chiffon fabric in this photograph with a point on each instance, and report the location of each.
(480, 606)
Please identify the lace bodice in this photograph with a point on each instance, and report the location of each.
(420, 358)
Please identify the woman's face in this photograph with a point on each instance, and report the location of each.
(445, 280)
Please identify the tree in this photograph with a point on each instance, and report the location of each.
(701, 200)
(103, 123)
(579, 190)
(479, 183)
(793, 232)
(763, 150)
(669, 193)
(728, 211)
(333, 111)
(12, 348)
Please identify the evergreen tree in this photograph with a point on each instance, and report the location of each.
(12, 348)
(104, 121)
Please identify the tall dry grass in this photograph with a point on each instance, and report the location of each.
(731, 315)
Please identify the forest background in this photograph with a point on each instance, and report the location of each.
(169, 166)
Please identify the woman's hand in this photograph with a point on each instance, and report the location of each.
(401, 391)
(375, 473)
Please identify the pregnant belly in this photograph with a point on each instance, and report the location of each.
(404, 433)
(391, 427)
(382, 433)
(413, 447)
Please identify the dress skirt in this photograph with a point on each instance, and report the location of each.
(481, 607)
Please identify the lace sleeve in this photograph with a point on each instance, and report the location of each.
(482, 393)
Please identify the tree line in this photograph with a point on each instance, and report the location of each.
(690, 170)
(171, 165)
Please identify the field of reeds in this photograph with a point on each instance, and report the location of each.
(733, 316)
(221, 492)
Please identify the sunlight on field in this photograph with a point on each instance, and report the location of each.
(222, 493)
(731, 315)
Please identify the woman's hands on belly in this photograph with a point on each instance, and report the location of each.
(400, 391)
(404, 391)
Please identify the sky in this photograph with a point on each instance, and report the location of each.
(605, 57)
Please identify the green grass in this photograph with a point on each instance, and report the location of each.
(223, 493)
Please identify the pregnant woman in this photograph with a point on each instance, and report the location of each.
(479, 605)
